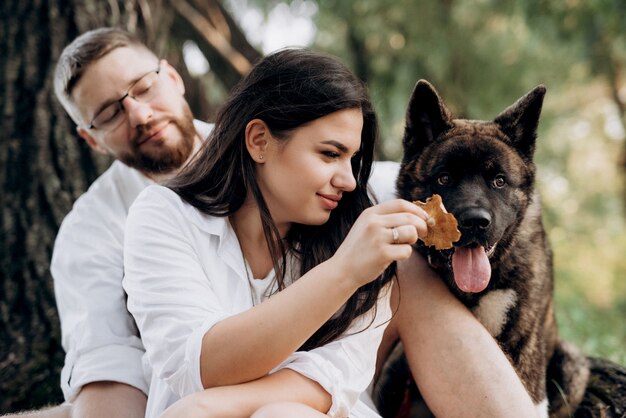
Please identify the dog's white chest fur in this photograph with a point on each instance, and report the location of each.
(493, 308)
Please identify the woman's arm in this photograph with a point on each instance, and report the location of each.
(459, 368)
(345, 367)
(247, 346)
(242, 400)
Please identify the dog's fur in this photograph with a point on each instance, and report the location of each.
(485, 173)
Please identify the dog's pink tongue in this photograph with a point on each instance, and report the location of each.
(471, 268)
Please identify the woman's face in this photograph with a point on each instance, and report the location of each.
(304, 177)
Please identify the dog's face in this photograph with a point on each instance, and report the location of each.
(483, 171)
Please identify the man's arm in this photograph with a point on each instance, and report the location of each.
(96, 400)
(108, 399)
(98, 333)
(458, 366)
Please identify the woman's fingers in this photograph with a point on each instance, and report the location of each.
(383, 233)
(400, 205)
(403, 234)
(404, 219)
(400, 212)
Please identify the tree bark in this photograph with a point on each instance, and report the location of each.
(44, 168)
(210, 27)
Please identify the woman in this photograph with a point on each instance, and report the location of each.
(260, 279)
(262, 273)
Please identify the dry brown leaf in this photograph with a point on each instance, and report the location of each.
(442, 226)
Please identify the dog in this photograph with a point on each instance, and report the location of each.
(501, 268)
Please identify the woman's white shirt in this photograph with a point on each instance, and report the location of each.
(184, 272)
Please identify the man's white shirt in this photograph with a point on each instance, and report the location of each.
(98, 333)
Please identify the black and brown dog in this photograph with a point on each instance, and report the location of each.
(501, 268)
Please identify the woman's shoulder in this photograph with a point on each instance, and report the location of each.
(158, 203)
(158, 192)
(162, 203)
(157, 195)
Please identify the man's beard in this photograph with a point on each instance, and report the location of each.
(165, 158)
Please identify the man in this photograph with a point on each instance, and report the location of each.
(129, 104)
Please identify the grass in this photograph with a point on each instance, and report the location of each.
(599, 331)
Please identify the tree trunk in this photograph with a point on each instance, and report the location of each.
(217, 35)
(44, 168)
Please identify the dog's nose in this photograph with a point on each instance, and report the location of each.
(475, 218)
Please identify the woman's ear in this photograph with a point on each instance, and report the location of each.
(257, 139)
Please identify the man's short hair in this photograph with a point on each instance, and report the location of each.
(82, 52)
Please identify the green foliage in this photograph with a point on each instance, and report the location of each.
(598, 331)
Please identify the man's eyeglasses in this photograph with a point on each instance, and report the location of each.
(143, 90)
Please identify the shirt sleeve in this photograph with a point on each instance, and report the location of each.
(98, 334)
(345, 367)
(169, 294)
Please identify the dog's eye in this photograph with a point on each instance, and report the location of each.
(444, 179)
(499, 181)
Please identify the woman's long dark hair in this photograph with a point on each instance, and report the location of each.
(287, 90)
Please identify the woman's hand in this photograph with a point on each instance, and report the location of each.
(382, 234)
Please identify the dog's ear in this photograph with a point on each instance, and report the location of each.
(426, 118)
(520, 120)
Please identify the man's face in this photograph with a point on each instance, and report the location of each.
(154, 132)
